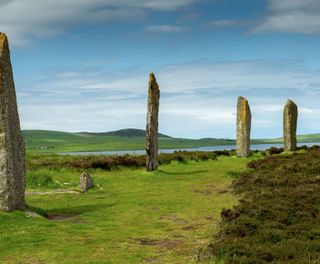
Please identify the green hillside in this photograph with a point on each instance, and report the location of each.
(126, 139)
(307, 138)
(55, 141)
(129, 132)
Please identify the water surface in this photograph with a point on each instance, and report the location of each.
(210, 148)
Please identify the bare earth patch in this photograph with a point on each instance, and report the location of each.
(61, 217)
(210, 189)
(58, 191)
(174, 218)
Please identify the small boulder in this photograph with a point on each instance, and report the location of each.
(86, 182)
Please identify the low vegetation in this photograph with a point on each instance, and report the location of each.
(36, 161)
(277, 218)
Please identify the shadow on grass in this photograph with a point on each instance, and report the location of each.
(80, 209)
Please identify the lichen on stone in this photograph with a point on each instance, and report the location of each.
(290, 118)
(12, 167)
(152, 124)
(243, 127)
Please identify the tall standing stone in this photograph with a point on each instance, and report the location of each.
(243, 127)
(12, 168)
(290, 117)
(152, 124)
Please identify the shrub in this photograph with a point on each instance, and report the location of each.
(274, 151)
(277, 219)
(35, 162)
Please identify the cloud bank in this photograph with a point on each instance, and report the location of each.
(165, 29)
(291, 16)
(24, 20)
(197, 99)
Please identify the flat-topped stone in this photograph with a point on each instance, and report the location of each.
(290, 118)
(243, 127)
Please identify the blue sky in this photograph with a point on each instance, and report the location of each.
(83, 65)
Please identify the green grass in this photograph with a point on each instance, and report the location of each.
(131, 217)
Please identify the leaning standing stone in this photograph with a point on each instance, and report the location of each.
(86, 182)
(243, 127)
(12, 168)
(290, 117)
(152, 124)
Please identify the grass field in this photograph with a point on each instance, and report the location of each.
(130, 217)
(41, 141)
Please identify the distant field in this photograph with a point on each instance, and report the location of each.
(308, 138)
(54, 141)
(43, 141)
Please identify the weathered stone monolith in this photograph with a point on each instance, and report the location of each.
(12, 169)
(152, 124)
(290, 117)
(243, 127)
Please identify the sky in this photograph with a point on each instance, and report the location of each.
(84, 65)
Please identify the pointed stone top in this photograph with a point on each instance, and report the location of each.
(4, 46)
(289, 102)
(240, 98)
(153, 82)
(152, 77)
(3, 35)
(3, 38)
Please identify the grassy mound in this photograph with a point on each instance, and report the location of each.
(277, 219)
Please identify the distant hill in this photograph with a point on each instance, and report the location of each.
(129, 132)
(45, 141)
(307, 138)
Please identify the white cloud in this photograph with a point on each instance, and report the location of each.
(227, 23)
(269, 108)
(291, 16)
(24, 20)
(165, 29)
(197, 99)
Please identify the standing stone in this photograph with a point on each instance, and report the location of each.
(243, 127)
(86, 182)
(12, 168)
(290, 117)
(152, 124)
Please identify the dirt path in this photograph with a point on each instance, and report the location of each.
(58, 191)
